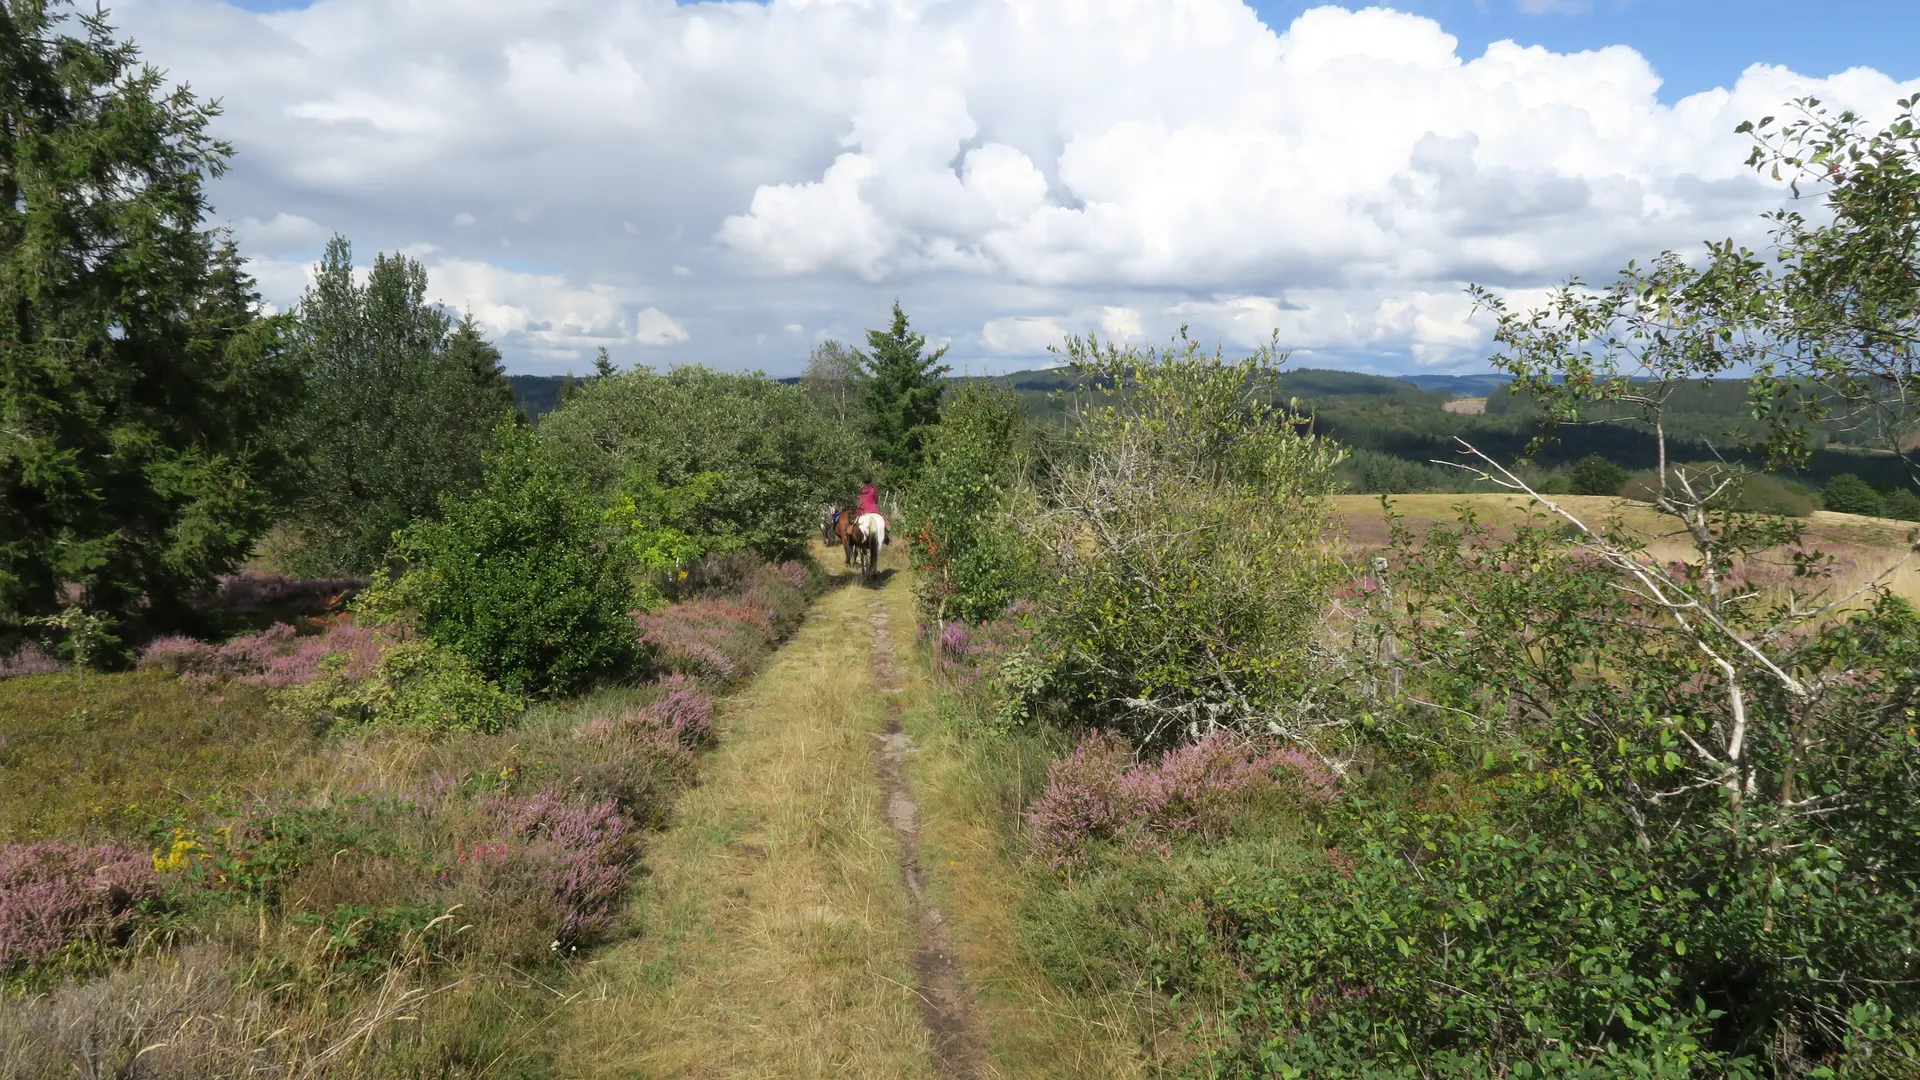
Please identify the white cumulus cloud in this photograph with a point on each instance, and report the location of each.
(1009, 170)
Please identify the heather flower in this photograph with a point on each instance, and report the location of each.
(176, 653)
(29, 659)
(54, 894)
(956, 640)
(1101, 790)
(584, 851)
(1087, 796)
(276, 658)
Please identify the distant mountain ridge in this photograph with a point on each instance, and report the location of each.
(538, 395)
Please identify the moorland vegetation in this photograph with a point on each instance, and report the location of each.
(1532, 793)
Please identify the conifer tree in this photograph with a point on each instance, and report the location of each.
(469, 348)
(141, 391)
(901, 392)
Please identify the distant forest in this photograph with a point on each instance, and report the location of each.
(1398, 427)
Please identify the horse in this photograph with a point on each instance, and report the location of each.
(830, 524)
(873, 537)
(848, 534)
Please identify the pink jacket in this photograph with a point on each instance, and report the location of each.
(869, 500)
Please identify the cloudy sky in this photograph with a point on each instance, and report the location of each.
(730, 183)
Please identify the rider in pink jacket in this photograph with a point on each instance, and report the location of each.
(869, 497)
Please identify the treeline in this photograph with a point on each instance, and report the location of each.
(1401, 437)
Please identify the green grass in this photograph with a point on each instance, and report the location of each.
(104, 756)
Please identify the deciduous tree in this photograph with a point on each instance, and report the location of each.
(403, 407)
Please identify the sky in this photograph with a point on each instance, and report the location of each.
(732, 183)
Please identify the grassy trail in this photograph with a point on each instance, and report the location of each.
(775, 937)
(834, 898)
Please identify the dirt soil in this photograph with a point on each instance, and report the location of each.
(959, 1041)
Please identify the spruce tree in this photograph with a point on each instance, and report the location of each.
(467, 347)
(901, 392)
(141, 392)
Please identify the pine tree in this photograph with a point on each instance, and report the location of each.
(141, 392)
(901, 392)
(469, 348)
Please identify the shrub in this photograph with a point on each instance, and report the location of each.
(56, 895)
(681, 719)
(415, 684)
(585, 851)
(1102, 791)
(1184, 568)
(970, 562)
(277, 657)
(29, 659)
(1595, 475)
(1848, 494)
(718, 637)
(1903, 505)
(771, 458)
(523, 577)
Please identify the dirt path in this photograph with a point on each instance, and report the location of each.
(784, 929)
(959, 1041)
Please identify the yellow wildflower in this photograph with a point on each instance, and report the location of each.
(184, 850)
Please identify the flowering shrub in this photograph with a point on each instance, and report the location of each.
(29, 659)
(720, 637)
(679, 720)
(277, 657)
(54, 895)
(584, 851)
(1102, 790)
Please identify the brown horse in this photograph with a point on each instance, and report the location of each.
(849, 534)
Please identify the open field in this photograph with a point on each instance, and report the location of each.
(1864, 548)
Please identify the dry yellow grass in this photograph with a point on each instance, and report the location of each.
(773, 937)
(1868, 548)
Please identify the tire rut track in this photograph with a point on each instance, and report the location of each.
(960, 1046)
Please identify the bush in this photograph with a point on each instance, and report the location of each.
(772, 458)
(277, 657)
(971, 563)
(1848, 494)
(1102, 791)
(1182, 557)
(524, 578)
(719, 637)
(1903, 505)
(56, 896)
(584, 850)
(415, 684)
(1595, 475)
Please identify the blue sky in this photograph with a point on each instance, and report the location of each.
(731, 184)
(1694, 44)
